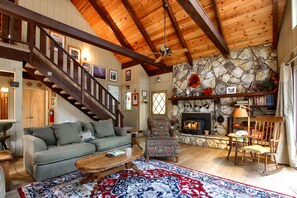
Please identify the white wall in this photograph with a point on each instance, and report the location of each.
(16, 132)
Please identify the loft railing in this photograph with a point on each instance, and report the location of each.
(39, 41)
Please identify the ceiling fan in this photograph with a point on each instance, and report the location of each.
(165, 50)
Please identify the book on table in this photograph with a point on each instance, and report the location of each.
(116, 152)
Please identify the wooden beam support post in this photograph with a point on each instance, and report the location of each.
(198, 14)
(216, 12)
(275, 24)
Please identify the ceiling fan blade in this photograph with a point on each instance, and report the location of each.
(159, 59)
(180, 50)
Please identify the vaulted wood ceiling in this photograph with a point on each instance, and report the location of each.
(204, 27)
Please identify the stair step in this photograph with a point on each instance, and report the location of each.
(29, 66)
(38, 73)
(70, 98)
(55, 86)
(47, 80)
(90, 112)
(77, 103)
(63, 92)
(95, 117)
(83, 108)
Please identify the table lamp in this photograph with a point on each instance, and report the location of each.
(241, 112)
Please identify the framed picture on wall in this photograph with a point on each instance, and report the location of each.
(231, 90)
(135, 99)
(99, 72)
(74, 53)
(144, 93)
(59, 38)
(86, 66)
(113, 75)
(128, 75)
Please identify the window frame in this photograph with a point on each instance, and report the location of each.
(151, 102)
(294, 14)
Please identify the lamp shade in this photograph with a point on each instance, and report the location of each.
(240, 113)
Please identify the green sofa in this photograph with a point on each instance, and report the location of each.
(51, 151)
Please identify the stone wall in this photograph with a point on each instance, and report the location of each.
(241, 69)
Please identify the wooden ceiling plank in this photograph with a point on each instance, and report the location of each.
(140, 26)
(178, 32)
(197, 13)
(217, 16)
(46, 22)
(275, 24)
(109, 21)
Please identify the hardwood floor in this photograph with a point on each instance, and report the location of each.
(208, 160)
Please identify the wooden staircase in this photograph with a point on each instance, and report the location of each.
(51, 64)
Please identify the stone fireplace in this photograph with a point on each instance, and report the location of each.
(195, 123)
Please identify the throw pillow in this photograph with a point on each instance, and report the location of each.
(87, 126)
(66, 133)
(120, 131)
(46, 134)
(103, 128)
(86, 136)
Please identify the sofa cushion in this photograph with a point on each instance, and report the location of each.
(120, 131)
(46, 133)
(61, 153)
(103, 144)
(66, 133)
(87, 126)
(103, 128)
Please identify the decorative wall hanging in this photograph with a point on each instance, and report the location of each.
(128, 75)
(135, 99)
(99, 72)
(231, 90)
(194, 81)
(74, 53)
(59, 38)
(113, 75)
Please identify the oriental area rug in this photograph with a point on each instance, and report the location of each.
(159, 179)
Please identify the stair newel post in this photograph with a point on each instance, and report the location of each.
(31, 38)
(82, 87)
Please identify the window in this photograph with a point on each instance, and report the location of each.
(128, 101)
(158, 103)
(294, 13)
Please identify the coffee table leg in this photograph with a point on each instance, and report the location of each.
(134, 167)
(89, 177)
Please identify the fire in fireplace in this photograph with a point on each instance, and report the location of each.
(195, 123)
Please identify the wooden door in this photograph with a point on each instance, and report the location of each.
(33, 108)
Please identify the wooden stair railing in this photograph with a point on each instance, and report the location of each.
(73, 82)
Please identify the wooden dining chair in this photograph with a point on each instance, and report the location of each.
(264, 139)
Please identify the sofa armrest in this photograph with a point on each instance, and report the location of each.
(32, 145)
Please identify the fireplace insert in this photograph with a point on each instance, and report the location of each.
(195, 123)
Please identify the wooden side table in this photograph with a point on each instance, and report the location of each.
(134, 132)
(5, 157)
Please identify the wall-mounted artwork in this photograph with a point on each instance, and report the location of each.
(113, 75)
(135, 99)
(86, 66)
(74, 53)
(99, 72)
(59, 38)
(128, 75)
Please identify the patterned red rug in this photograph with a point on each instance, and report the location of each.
(159, 179)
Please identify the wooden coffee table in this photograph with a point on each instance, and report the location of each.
(99, 165)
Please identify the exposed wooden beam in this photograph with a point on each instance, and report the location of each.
(275, 24)
(198, 14)
(110, 22)
(130, 64)
(160, 71)
(178, 32)
(140, 26)
(46, 22)
(217, 16)
(13, 54)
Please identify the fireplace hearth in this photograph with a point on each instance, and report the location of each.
(195, 123)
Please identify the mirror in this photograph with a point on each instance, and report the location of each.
(6, 96)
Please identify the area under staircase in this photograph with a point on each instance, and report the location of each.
(51, 64)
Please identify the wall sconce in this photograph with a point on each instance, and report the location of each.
(158, 79)
(86, 55)
(4, 89)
